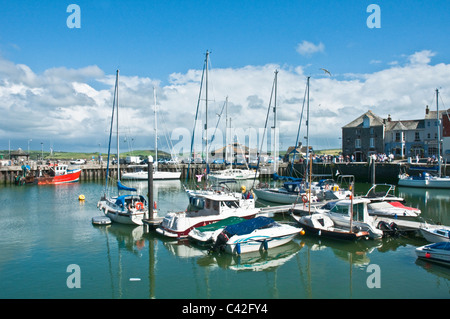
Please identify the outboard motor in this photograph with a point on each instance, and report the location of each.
(220, 243)
(388, 229)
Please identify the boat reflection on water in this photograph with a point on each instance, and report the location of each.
(263, 260)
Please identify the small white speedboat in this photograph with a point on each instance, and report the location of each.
(206, 235)
(436, 234)
(436, 252)
(392, 209)
(322, 225)
(257, 234)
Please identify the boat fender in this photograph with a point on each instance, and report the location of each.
(238, 248)
(265, 245)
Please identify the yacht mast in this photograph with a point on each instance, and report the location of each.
(206, 106)
(275, 142)
(307, 122)
(117, 124)
(156, 129)
(438, 132)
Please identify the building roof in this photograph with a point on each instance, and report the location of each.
(405, 125)
(374, 120)
(432, 115)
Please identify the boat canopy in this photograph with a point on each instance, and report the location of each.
(120, 201)
(440, 245)
(222, 223)
(293, 187)
(248, 226)
(125, 188)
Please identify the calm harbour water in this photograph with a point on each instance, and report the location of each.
(44, 229)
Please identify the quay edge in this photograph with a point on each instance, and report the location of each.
(363, 171)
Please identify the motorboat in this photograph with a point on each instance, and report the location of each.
(424, 180)
(206, 235)
(322, 225)
(436, 252)
(204, 209)
(60, 174)
(348, 213)
(392, 209)
(257, 234)
(435, 234)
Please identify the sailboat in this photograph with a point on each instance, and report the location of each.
(426, 180)
(290, 192)
(157, 175)
(130, 208)
(231, 174)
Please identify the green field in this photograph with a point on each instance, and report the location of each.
(35, 155)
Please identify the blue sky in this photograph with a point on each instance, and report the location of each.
(159, 42)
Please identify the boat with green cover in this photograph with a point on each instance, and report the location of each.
(206, 235)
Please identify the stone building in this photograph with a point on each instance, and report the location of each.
(363, 137)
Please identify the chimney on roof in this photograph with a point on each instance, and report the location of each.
(389, 117)
(427, 110)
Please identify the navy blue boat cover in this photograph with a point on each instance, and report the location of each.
(125, 188)
(248, 226)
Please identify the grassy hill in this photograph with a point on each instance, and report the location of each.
(34, 155)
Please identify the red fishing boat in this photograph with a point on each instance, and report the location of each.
(60, 174)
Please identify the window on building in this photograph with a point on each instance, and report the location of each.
(358, 143)
(366, 122)
(432, 151)
(398, 137)
(416, 137)
(372, 142)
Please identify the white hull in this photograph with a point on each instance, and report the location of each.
(261, 239)
(158, 175)
(119, 215)
(276, 195)
(208, 207)
(178, 225)
(432, 252)
(233, 175)
(387, 209)
(430, 182)
(435, 235)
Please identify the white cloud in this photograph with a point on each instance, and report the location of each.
(421, 57)
(307, 48)
(61, 105)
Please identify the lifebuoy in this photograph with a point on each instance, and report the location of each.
(139, 206)
(304, 199)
